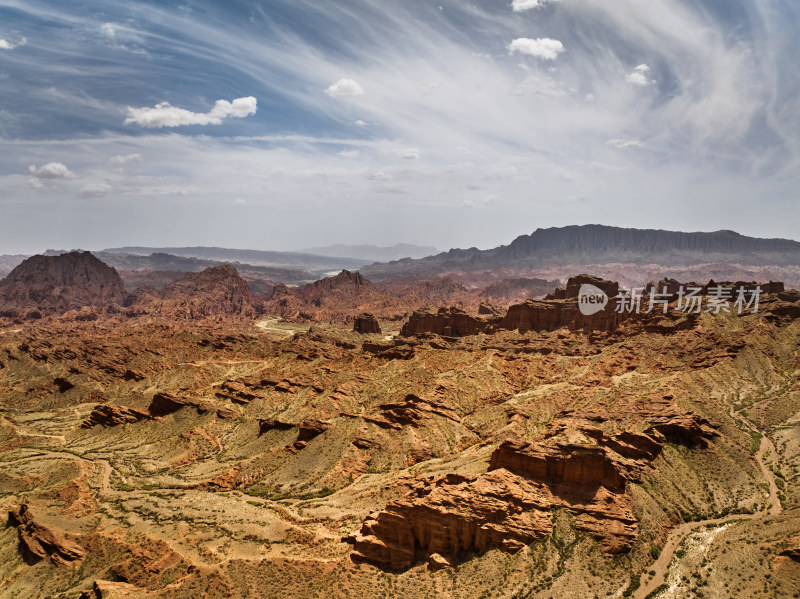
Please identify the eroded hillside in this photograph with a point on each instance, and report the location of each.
(146, 458)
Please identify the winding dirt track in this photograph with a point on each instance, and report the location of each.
(105, 477)
(661, 565)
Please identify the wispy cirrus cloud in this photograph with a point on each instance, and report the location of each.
(717, 111)
(126, 158)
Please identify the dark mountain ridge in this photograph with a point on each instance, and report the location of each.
(600, 244)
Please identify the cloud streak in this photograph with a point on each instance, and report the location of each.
(490, 107)
(523, 5)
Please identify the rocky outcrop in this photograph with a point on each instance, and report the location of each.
(345, 283)
(793, 550)
(413, 410)
(541, 315)
(664, 287)
(38, 542)
(500, 509)
(584, 465)
(366, 324)
(451, 515)
(485, 309)
(266, 425)
(236, 391)
(334, 297)
(681, 427)
(213, 292)
(113, 415)
(57, 284)
(511, 505)
(397, 349)
(450, 322)
(164, 404)
(784, 311)
(311, 428)
(790, 295)
(611, 288)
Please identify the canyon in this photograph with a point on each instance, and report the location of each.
(346, 437)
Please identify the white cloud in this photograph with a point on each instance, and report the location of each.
(409, 154)
(522, 5)
(109, 30)
(624, 144)
(350, 153)
(125, 158)
(639, 76)
(6, 45)
(360, 123)
(95, 190)
(345, 87)
(166, 115)
(34, 184)
(51, 170)
(543, 47)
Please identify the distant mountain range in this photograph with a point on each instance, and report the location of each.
(373, 253)
(631, 256)
(315, 264)
(598, 245)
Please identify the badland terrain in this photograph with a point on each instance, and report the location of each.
(456, 429)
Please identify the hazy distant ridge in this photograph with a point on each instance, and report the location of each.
(600, 244)
(291, 260)
(373, 253)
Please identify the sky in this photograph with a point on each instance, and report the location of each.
(272, 124)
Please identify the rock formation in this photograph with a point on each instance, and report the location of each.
(450, 322)
(38, 542)
(541, 315)
(511, 505)
(113, 415)
(164, 404)
(413, 410)
(366, 324)
(611, 288)
(56, 284)
(214, 292)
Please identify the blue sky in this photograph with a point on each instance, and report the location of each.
(284, 124)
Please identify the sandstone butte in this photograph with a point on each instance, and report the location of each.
(511, 506)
